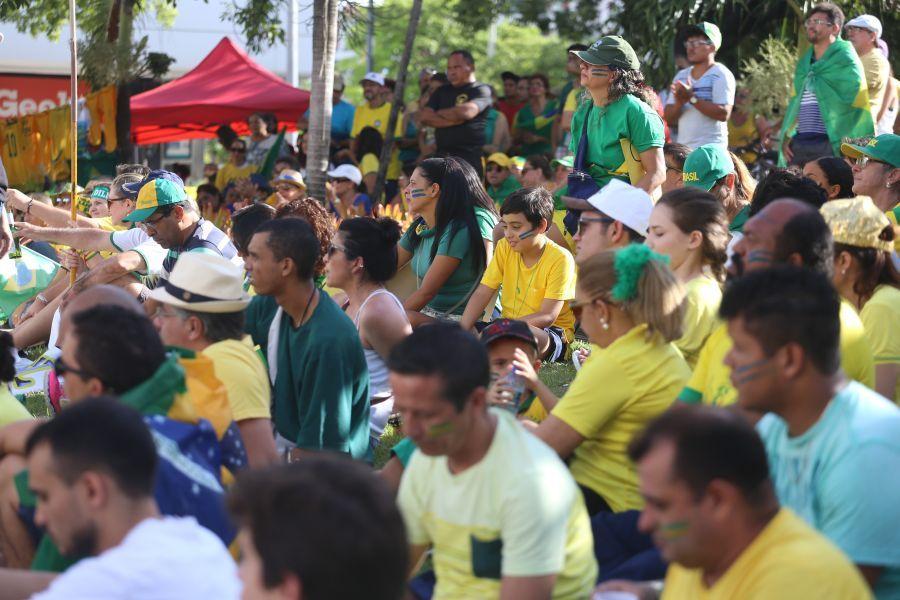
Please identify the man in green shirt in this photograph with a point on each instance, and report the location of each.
(316, 361)
(500, 180)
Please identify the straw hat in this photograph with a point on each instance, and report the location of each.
(204, 283)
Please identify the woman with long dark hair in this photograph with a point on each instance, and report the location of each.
(833, 175)
(450, 242)
(865, 275)
(620, 118)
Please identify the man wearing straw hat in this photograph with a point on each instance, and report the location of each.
(202, 310)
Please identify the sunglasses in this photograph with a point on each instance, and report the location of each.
(332, 249)
(60, 368)
(578, 307)
(862, 161)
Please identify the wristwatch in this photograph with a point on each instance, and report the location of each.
(693, 100)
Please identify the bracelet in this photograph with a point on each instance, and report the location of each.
(28, 206)
(42, 298)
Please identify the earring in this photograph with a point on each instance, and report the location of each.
(843, 272)
(604, 324)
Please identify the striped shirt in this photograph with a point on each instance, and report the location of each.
(809, 120)
(205, 238)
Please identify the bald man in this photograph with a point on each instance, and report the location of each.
(100, 294)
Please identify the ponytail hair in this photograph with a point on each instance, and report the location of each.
(696, 210)
(639, 282)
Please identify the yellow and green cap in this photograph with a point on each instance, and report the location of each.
(153, 195)
(883, 148)
(709, 30)
(706, 165)
(565, 161)
(500, 159)
(611, 51)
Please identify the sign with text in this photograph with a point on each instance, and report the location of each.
(22, 95)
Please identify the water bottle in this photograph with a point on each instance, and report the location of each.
(516, 384)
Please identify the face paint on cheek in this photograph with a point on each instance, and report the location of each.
(599, 72)
(418, 193)
(440, 430)
(526, 235)
(759, 257)
(748, 373)
(673, 531)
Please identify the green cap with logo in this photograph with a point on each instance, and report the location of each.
(709, 30)
(706, 165)
(883, 148)
(100, 192)
(155, 194)
(565, 161)
(611, 51)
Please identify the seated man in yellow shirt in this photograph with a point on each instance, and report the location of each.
(713, 513)
(784, 232)
(202, 310)
(537, 275)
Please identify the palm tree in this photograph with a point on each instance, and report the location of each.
(325, 34)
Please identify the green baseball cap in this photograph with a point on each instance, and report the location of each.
(100, 192)
(610, 50)
(884, 148)
(154, 194)
(706, 165)
(565, 161)
(709, 30)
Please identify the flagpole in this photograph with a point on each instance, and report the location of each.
(73, 133)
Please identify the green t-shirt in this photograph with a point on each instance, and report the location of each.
(454, 242)
(541, 125)
(626, 118)
(321, 395)
(499, 194)
(737, 224)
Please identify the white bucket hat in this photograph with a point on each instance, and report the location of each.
(204, 283)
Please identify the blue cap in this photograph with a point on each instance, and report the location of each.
(131, 189)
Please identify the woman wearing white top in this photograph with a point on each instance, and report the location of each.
(362, 257)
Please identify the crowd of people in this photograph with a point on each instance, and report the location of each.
(228, 362)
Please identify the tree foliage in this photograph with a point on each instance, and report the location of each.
(518, 48)
(769, 78)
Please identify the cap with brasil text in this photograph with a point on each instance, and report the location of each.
(708, 30)
(706, 165)
(612, 51)
(153, 195)
(883, 148)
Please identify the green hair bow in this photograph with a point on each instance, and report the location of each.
(629, 265)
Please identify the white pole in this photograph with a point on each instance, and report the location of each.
(73, 109)
(293, 43)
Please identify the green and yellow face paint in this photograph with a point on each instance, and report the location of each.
(673, 531)
(418, 193)
(441, 429)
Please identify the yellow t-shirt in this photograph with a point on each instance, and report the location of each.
(229, 172)
(515, 513)
(878, 73)
(106, 224)
(787, 560)
(571, 104)
(711, 380)
(881, 321)
(552, 277)
(239, 368)
(703, 296)
(368, 164)
(366, 116)
(892, 216)
(618, 390)
(11, 410)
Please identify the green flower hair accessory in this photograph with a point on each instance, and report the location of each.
(629, 265)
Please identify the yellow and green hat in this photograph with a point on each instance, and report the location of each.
(155, 194)
(706, 165)
(565, 161)
(884, 148)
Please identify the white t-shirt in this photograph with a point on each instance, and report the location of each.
(137, 239)
(160, 559)
(694, 128)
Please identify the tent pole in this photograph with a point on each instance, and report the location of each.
(73, 133)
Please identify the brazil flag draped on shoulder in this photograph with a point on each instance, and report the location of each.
(838, 81)
(198, 444)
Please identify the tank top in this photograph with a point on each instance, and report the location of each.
(379, 385)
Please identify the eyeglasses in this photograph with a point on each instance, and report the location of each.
(161, 313)
(671, 168)
(239, 150)
(695, 43)
(578, 307)
(334, 248)
(583, 221)
(817, 22)
(148, 224)
(60, 368)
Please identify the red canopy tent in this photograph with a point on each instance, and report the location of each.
(225, 88)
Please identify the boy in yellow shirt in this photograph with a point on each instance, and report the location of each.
(536, 276)
(714, 516)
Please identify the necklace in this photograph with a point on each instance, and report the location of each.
(524, 294)
(306, 308)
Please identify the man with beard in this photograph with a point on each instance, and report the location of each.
(830, 100)
(784, 232)
(92, 469)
